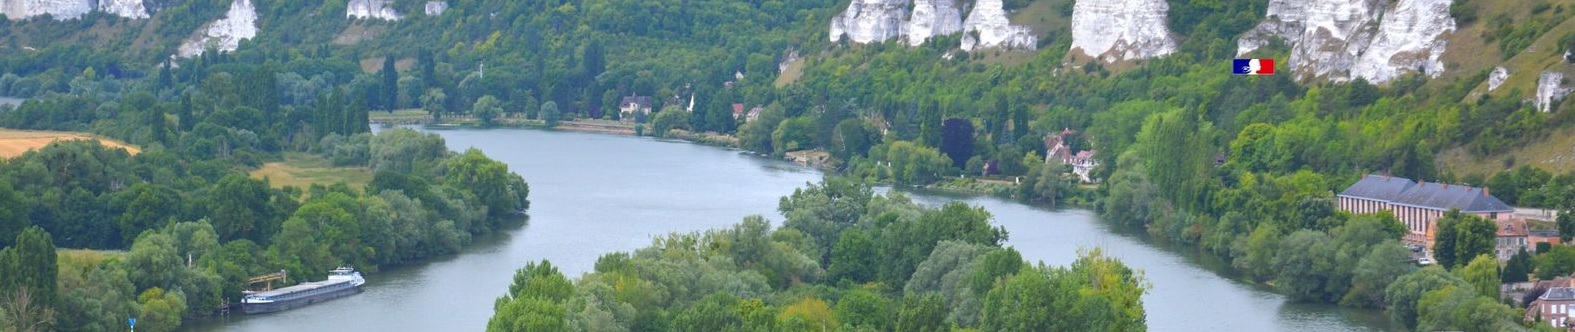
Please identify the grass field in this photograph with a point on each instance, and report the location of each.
(16, 142)
(1555, 153)
(302, 170)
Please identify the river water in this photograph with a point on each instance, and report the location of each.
(593, 194)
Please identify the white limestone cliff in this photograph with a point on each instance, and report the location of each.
(224, 34)
(1116, 30)
(435, 8)
(932, 18)
(1497, 77)
(71, 9)
(59, 9)
(1550, 90)
(124, 8)
(372, 9)
(988, 23)
(1410, 38)
(1344, 39)
(868, 21)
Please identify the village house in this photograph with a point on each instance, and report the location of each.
(1083, 162)
(1512, 237)
(1419, 205)
(738, 111)
(1549, 236)
(1553, 307)
(754, 113)
(633, 105)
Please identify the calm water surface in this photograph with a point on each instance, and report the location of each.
(593, 194)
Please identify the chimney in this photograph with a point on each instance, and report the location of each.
(1485, 192)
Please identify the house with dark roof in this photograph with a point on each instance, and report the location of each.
(1553, 307)
(1419, 205)
(632, 105)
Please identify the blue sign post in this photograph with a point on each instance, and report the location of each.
(133, 322)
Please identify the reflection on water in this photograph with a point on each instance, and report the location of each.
(594, 194)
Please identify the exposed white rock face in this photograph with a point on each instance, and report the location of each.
(988, 20)
(868, 21)
(1497, 77)
(932, 18)
(123, 8)
(1345, 39)
(1326, 36)
(1411, 38)
(435, 8)
(59, 9)
(1115, 30)
(71, 9)
(379, 9)
(226, 33)
(1550, 89)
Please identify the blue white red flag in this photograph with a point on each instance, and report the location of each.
(1252, 66)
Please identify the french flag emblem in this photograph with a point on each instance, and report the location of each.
(1252, 67)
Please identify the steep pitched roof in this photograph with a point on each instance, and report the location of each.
(1445, 197)
(1379, 187)
(1559, 293)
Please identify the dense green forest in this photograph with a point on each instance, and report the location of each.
(179, 227)
(1241, 167)
(844, 259)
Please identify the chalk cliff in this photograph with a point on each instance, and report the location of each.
(1115, 30)
(224, 34)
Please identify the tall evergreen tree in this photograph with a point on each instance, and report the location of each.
(390, 88)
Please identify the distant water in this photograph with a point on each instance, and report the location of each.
(594, 194)
(10, 101)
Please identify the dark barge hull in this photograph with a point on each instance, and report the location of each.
(263, 308)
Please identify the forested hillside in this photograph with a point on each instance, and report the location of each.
(1243, 167)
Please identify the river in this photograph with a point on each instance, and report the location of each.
(593, 194)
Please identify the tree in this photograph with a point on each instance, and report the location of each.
(957, 141)
(1404, 294)
(389, 93)
(864, 308)
(811, 313)
(504, 193)
(550, 113)
(22, 311)
(1519, 267)
(1444, 239)
(922, 314)
(487, 110)
(1557, 262)
(160, 311)
(854, 258)
(534, 301)
(1566, 225)
(1474, 236)
(1482, 273)
(432, 102)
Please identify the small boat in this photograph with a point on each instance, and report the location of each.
(341, 282)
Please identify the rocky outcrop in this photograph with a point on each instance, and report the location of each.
(1497, 77)
(1550, 90)
(1344, 39)
(59, 9)
(224, 34)
(868, 21)
(71, 9)
(372, 9)
(987, 26)
(873, 21)
(435, 8)
(1116, 30)
(932, 18)
(124, 8)
(1410, 38)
